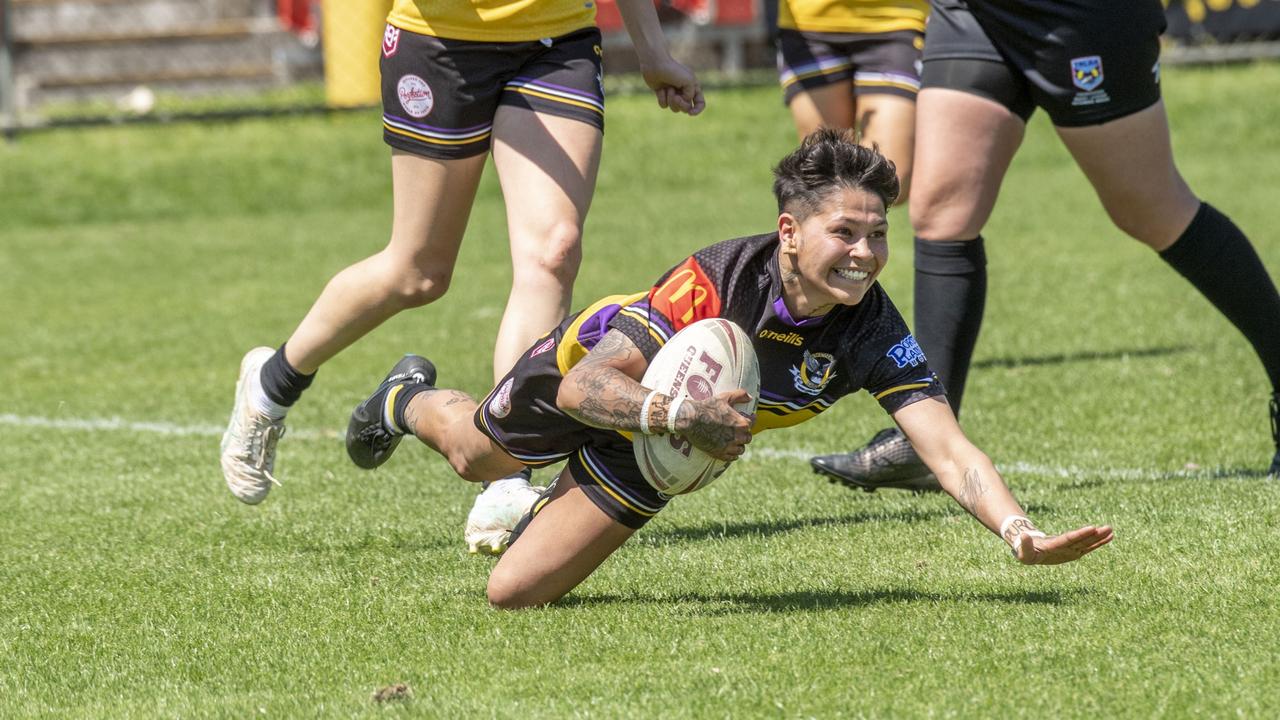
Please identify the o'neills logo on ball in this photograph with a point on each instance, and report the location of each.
(415, 96)
(500, 405)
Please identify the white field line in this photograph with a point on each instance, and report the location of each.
(157, 428)
(164, 428)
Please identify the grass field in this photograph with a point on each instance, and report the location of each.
(138, 264)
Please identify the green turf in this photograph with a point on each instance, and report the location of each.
(137, 264)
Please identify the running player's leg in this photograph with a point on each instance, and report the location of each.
(547, 167)
(565, 542)
(1130, 163)
(435, 170)
(970, 118)
(886, 82)
(889, 123)
(817, 81)
(965, 143)
(547, 139)
(826, 106)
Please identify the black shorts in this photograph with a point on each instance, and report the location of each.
(886, 63)
(1085, 62)
(439, 95)
(521, 416)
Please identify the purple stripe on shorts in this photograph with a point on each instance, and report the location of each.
(562, 88)
(424, 126)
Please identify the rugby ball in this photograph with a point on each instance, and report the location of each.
(701, 361)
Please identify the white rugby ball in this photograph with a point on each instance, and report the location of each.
(701, 361)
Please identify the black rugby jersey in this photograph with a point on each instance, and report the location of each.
(805, 364)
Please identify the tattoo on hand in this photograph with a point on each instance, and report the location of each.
(971, 490)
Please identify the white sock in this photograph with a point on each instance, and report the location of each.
(259, 400)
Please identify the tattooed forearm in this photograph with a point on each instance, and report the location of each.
(971, 491)
(607, 397)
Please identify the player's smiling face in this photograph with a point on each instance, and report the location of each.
(834, 255)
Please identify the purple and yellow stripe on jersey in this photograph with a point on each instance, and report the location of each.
(776, 411)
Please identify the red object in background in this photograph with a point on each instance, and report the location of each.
(608, 18)
(713, 12)
(296, 15)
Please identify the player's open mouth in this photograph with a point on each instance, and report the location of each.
(851, 274)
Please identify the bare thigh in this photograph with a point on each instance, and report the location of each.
(827, 106)
(889, 123)
(547, 166)
(1129, 162)
(566, 541)
(964, 144)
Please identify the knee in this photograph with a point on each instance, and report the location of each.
(507, 592)
(934, 218)
(416, 288)
(555, 253)
(466, 469)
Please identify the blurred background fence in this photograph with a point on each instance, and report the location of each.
(68, 62)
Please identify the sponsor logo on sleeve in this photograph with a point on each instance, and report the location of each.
(415, 96)
(906, 352)
(686, 296)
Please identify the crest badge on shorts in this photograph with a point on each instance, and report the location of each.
(1086, 72)
(500, 405)
(415, 96)
(390, 41)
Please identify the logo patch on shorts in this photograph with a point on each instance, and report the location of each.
(390, 41)
(500, 405)
(906, 353)
(543, 347)
(1086, 72)
(415, 96)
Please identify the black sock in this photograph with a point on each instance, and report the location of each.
(950, 296)
(407, 393)
(1221, 263)
(281, 382)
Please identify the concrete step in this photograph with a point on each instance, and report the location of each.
(42, 19)
(87, 58)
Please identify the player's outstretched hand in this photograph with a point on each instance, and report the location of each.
(716, 427)
(675, 86)
(1058, 549)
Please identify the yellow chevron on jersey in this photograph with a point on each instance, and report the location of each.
(493, 20)
(571, 351)
(853, 16)
(771, 415)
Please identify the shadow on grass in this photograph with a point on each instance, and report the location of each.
(799, 601)
(759, 528)
(1066, 358)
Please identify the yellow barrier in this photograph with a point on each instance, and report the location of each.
(352, 36)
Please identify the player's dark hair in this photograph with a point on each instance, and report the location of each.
(828, 158)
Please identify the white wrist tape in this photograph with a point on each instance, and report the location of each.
(672, 411)
(1004, 525)
(644, 411)
(1014, 541)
